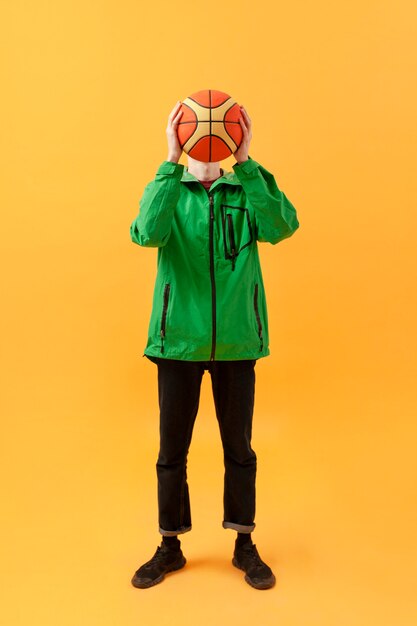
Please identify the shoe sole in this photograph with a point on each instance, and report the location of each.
(145, 585)
(266, 584)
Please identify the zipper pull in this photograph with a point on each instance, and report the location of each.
(211, 207)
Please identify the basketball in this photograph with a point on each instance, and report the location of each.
(209, 128)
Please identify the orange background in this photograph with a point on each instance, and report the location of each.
(331, 89)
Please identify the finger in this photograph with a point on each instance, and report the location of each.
(247, 118)
(243, 125)
(174, 110)
(177, 117)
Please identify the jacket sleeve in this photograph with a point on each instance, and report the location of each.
(152, 226)
(276, 218)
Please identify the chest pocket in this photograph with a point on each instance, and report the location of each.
(237, 231)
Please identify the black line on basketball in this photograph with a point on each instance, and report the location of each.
(225, 128)
(231, 107)
(197, 142)
(200, 105)
(223, 103)
(194, 131)
(192, 110)
(221, 139)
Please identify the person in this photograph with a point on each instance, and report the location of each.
(208, 314)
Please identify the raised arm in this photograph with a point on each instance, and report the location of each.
(152, 226)
(276, 217)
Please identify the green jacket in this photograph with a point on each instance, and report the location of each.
(209, 300)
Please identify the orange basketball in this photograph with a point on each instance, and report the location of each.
(209, 128)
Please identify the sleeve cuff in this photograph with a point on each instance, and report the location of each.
(171, 168)
(247, 167)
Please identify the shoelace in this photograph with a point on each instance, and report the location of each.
(158, 556)
(252, 555)
(160, 553)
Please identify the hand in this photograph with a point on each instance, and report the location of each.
(174, 148)
(242, 153)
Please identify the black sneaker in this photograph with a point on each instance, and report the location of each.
(258, 574)
(163, 561)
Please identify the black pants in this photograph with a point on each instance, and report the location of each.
(233, 384)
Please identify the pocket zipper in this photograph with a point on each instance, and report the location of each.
(164, 315)
(258, 317)
(232, 240)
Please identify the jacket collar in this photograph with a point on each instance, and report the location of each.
(229, 178)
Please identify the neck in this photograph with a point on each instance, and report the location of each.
(202, 170)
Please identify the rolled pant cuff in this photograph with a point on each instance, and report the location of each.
(174, 533)
(240, 528)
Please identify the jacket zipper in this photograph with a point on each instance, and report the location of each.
(258, 317)
(164, 314)
(232, 240)
(213, 280)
